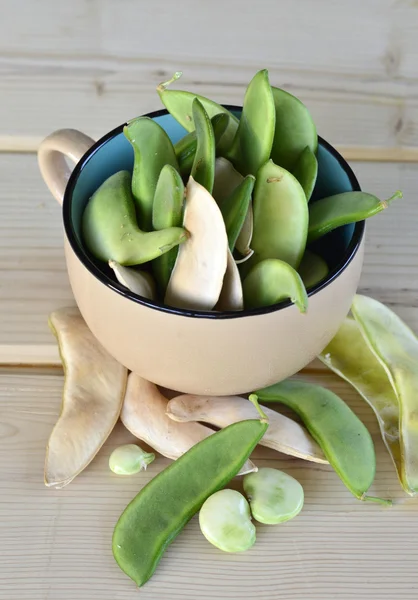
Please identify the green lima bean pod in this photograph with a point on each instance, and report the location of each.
(294, 130)
(163, 507)
(110, 230)
(341, 209)
(203, 168)
(179, 105)
(167, 211)
(152, 150)
(253, 141)
(344, 439)
(312, 269)
(185, 148)
(234, 209)
(280, 216)
(271, 281)
(306, 171)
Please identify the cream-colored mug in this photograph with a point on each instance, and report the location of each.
(194, 351)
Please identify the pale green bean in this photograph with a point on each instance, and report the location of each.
(129, 459)
(225, 521)
(274, 496)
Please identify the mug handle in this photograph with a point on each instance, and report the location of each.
(61, 144)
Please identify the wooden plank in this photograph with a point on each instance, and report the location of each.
(33, 279)
(57, 543)
(390, 271)
(372, 154)
(96, 64)
(97, 101)
(360, 37)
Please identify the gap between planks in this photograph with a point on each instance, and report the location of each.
(29, 145)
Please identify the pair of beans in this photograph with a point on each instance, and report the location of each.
(273, 497)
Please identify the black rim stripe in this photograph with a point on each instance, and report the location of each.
(119, 289)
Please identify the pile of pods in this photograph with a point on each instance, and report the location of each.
(374, 350)
(221, 220)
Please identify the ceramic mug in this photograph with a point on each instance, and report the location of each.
(197, 352)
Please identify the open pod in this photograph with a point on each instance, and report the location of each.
(231, 297)
(349, 355)
(395, 346)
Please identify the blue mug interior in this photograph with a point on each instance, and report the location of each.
(114, 153)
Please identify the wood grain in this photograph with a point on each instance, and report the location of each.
(33, 279)
(96, 103)
(93, 65)
(57, 544)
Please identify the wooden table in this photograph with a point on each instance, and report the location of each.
(92, 65)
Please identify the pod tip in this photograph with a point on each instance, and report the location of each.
(302, 304)
(396, 195)
(162, 86)
(253, 398)
(384, 501)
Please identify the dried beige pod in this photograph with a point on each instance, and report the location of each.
(94, 388)
(243, 259)
(231, 297)
(283, 434)
(136, 281)
(227, 179)
(144, 415)
(197, 276)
